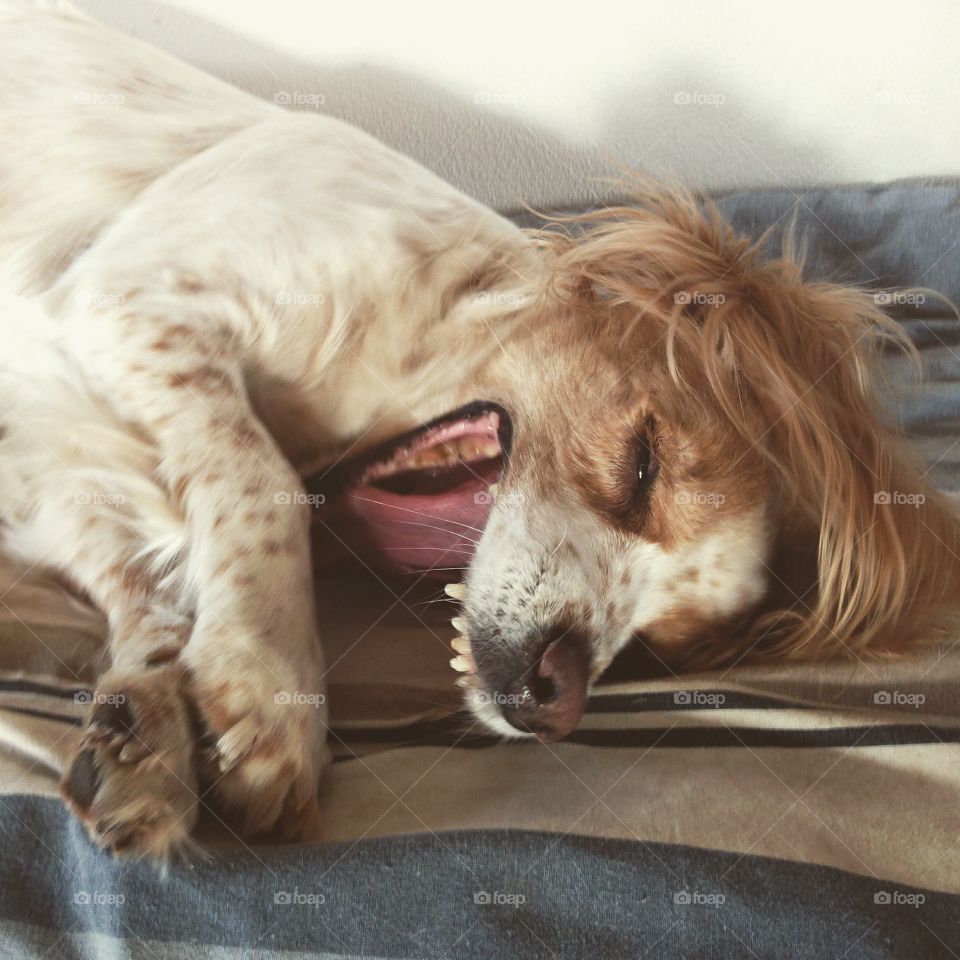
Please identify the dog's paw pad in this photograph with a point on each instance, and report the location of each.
(82, 781)
(132, 782)
(111, 724)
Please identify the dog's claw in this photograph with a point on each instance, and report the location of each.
(459, 624)
(133, 752)
(236, 743)
(131, 782)
(457, 591)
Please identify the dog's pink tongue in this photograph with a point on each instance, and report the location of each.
(393, 533)
(419, 504)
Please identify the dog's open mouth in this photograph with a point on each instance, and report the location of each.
(417, 503)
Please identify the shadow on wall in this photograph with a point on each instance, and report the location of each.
(487, 147)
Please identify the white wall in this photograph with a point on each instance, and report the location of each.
(531, 101)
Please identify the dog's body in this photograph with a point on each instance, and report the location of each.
(288, 270)
(225, 297)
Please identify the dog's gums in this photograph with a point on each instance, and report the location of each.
(416, 503)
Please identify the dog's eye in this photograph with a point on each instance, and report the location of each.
(646, 462)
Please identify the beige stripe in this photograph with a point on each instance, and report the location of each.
(762, 719)
(34, 752)
(885, 812)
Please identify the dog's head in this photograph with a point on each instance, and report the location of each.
(697, 464)
(691, 461)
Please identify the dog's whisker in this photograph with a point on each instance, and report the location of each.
(418, 513)
(439, 529)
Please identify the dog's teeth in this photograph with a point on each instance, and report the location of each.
(463, 664)
(467, 450)
(461, 645)
(493, 490)
(459, 624)
(456, 590)
(489, 450)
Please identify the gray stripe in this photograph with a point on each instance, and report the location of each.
(483, 894)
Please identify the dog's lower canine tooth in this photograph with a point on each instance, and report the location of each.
(456, 590)
(459, 624)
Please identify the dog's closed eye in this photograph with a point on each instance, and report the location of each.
(646, 461)
(645, 464)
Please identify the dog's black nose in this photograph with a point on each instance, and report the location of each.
(550, 700)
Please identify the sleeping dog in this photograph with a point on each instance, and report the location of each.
(221, 315)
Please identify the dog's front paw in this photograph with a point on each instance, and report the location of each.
(132, 783)
(265, 750)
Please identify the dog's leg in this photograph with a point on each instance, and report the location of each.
(132, 781)
(253, 658)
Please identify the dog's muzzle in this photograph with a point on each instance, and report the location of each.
(545, 698)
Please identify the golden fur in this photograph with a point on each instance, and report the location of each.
(790, 364)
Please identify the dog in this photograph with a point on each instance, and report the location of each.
(219, 314)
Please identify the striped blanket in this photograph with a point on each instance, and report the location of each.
(775, 811)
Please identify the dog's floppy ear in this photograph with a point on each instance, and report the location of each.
(883, 545)
(789, 362)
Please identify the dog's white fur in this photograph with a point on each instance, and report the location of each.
(209, 263)
(206, 297)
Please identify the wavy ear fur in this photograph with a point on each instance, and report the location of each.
(868, 554)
